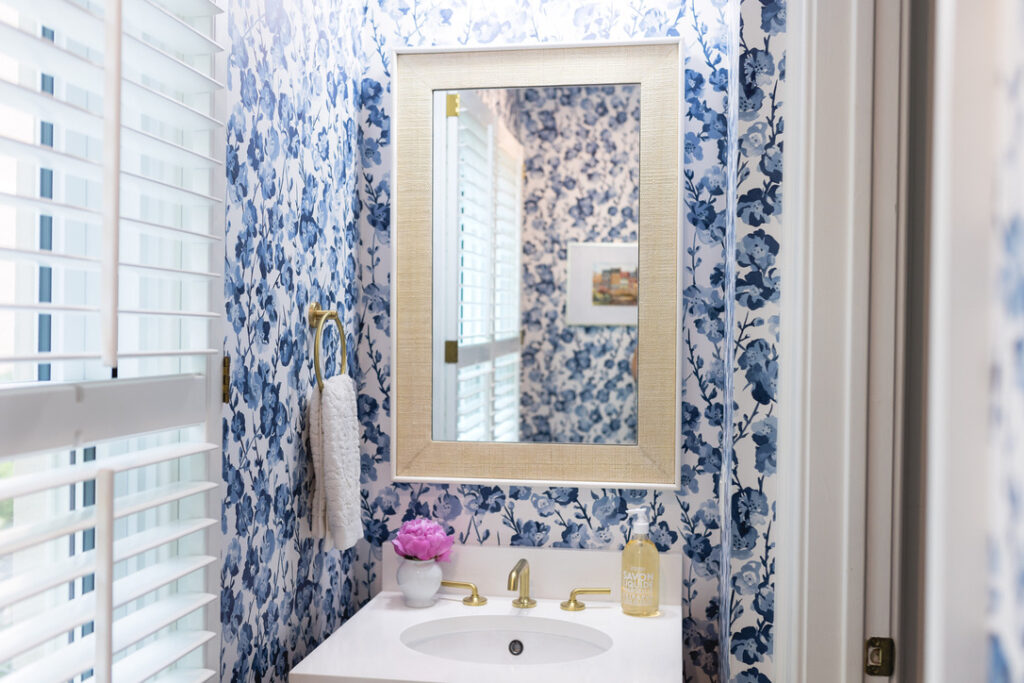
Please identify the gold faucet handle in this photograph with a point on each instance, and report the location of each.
(474, 599)
(575, 605)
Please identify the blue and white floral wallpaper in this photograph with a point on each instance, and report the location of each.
(1006, 440)
(309, 200)
(582, 159)
(291, 240)
(753, 348)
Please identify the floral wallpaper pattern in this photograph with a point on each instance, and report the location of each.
(582, 158)
(290, 240)
(689, 520)
(309, 200)
(1006, 537)
(753, 349)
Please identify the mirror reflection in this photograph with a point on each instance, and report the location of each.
(535, 278)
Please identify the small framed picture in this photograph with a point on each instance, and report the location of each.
(603, 286)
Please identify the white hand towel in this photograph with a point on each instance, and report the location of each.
(318, 507)
(334, 440)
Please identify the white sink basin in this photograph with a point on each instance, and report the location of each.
(506, 639)
(387, 642)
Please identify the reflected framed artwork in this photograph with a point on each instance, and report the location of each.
(604, 284)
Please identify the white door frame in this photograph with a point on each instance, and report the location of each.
(967, 42)
(841, 323)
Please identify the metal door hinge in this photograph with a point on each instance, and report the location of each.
(451, 352)
(225, 379)
(879, 656)
(452, 104)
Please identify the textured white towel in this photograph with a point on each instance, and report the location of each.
(334, 442)
(316, 451)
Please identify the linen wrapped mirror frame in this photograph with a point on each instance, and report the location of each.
(420, 77)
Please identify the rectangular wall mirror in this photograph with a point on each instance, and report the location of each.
(536, 255)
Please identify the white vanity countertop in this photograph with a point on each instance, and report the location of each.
(368, 646)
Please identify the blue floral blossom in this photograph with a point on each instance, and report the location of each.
(533, 533)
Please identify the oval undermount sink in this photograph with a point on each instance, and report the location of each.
(506, 639)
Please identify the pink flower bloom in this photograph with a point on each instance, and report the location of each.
(423, 539)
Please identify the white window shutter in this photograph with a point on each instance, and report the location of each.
(58, 227)
(111, 228)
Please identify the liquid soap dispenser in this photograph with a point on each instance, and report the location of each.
(640, 568)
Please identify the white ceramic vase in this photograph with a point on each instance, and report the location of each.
(419, 581)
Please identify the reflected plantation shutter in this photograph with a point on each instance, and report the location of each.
(489, 200)
(508, 167)
(111, 228)
(476, 266)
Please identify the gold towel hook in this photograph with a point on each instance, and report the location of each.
(317, 317)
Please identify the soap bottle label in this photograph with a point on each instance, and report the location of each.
(637, 586)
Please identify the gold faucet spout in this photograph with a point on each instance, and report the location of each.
(519, 579)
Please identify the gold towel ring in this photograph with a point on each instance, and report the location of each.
(317, 317)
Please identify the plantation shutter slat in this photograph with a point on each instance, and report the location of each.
(174, 31)
(13, 487)
(170, 152)
(21, 538)
(30, 584)
(48, 56)
(191, 9)
(79, 656)
(53, 110)
(80, 610)
(151, 659)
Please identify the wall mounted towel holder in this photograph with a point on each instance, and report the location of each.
(317, 317)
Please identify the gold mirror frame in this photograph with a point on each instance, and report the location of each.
(653, 460)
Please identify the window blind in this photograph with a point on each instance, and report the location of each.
(107, 493)
(490, 165)
(52, 240)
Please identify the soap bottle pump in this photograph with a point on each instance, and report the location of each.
(640, 565)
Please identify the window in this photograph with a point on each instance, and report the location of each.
(478, 398)
(109, 336)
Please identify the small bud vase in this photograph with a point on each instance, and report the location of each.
(419, 581)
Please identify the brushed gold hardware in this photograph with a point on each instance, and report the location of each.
(574, 605)
(452, 104)
(317, 317)
(225, 380)
(474, 599)
(879, 656)
(451, 351)
(519, 578)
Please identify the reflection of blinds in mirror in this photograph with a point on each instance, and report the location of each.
(507, 182)
(488, 403)
(505, 398)
(489, 199)
(476, 218)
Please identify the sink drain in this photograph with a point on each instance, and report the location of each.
(516, 647)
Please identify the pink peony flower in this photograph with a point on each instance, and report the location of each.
(423, 539)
